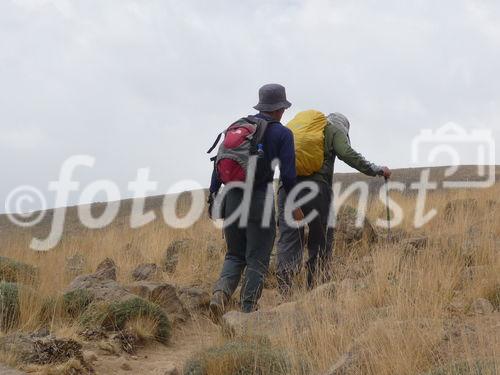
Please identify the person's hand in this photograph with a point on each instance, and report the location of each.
(210, 201)
(297, 214)
(386, 172)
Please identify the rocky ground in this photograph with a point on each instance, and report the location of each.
(151, 326)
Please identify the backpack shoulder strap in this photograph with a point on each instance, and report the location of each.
(215, 143)
(261, 127)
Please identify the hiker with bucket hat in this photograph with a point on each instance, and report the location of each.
(253, 141)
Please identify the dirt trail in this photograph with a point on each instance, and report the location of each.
(153, 360)
(186, 340)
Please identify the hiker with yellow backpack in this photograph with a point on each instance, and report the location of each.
(319, 140)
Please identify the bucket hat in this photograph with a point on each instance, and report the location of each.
(271, 98)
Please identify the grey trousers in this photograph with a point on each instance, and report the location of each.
(248, 249)
(291, 242)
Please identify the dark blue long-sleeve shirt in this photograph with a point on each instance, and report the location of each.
(277, 144)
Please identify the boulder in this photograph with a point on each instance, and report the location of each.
(163, 295)
(481, 306)
(145, 271)
(171, 255)
(12, 270)
(347, 232)
(102, 284)
(265, 323)
(101, 290)
(193, 298)
(106, 269)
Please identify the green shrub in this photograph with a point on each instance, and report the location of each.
(14, 271)
(95, 315)
(478, 367)
(76, 302)
(239, 358)
(9, 305)
(115, 315)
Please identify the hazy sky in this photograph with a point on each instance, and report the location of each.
(150, 83)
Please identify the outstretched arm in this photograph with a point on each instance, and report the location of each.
(344, 151)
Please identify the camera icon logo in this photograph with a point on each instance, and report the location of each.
(455, 145)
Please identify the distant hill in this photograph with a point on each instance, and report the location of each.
(405, 175)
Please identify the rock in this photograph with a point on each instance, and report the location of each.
(12, 270)
(46, 350)
(9, 371)
(265, 323)
(163, 295)
(194, 298)
(171, 255)
(106, 270)
(347, 232)
(127, 341)
(102, 284)
(108, 348)
(75, 265)
(145, 271)
(325, 290)
(459, 208)
(101, 290)
(170, 369)
(481, 306)
(493, 295)
(94, 334)
(90, 356)
(125, 366)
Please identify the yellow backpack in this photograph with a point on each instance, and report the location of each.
(308, 128)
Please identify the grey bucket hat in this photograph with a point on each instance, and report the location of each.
(271, 98)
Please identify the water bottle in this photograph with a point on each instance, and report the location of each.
(260, 151)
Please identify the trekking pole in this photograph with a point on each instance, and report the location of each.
(387, 208)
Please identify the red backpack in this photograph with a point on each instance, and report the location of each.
(242, 140)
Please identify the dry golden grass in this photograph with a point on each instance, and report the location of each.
(397, 317)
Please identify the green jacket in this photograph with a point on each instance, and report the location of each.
(338, 144)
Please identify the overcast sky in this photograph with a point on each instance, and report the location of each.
(150, 83)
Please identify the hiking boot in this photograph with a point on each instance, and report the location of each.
(218, 304)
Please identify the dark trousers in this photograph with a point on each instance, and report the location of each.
(248, 248)
(292, 242)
